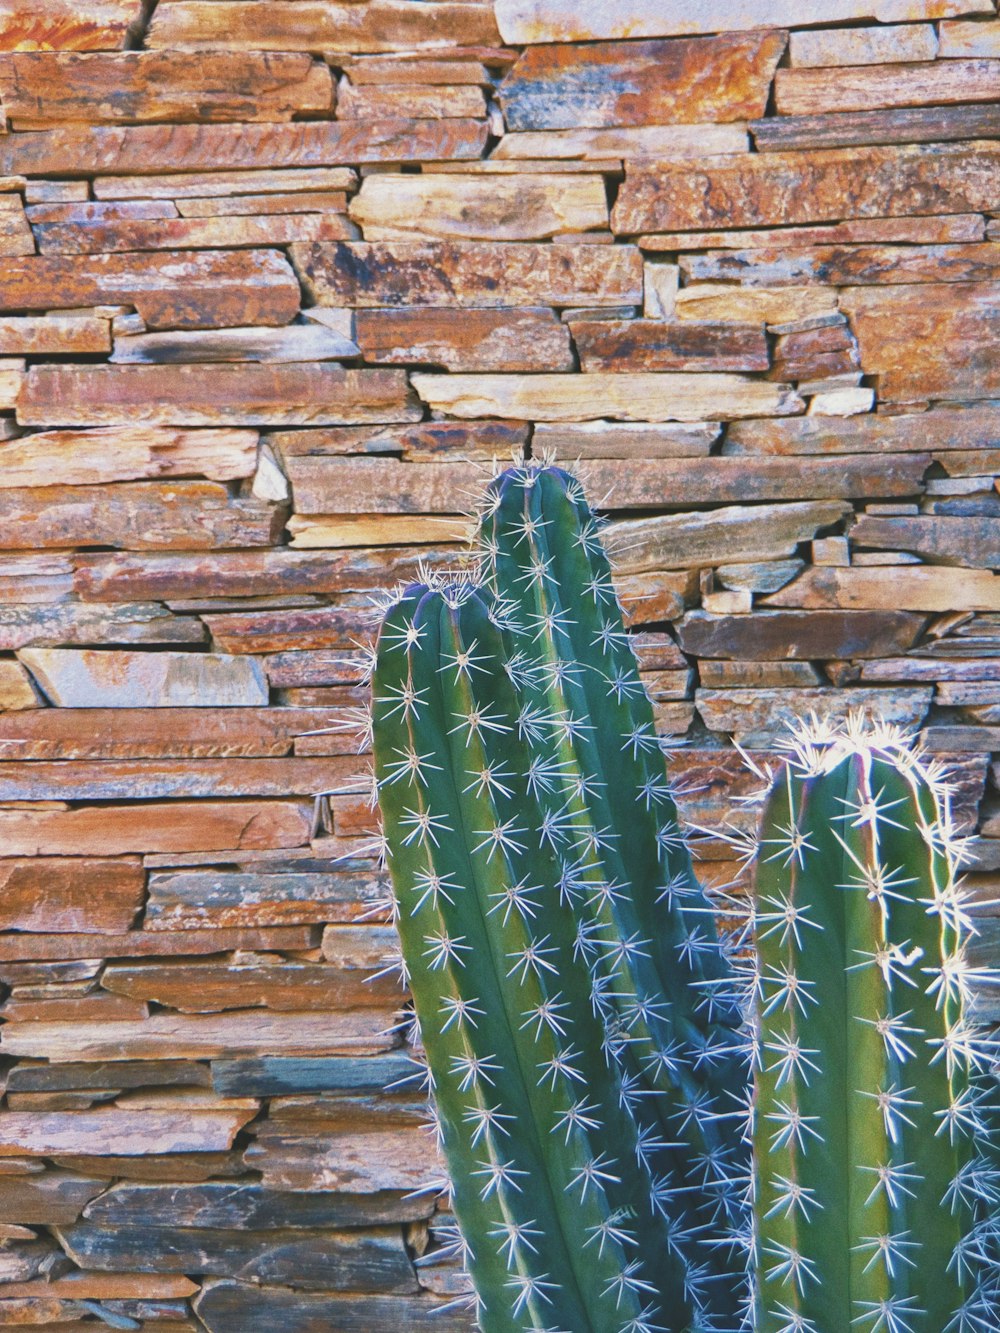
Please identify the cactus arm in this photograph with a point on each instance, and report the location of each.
(573, 1273)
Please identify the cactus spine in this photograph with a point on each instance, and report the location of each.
(573, 1000)
(877, 1194)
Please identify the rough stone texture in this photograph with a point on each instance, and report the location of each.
(280, 280)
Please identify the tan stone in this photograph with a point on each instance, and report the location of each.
(170, 826)
(323, 25)
(929, 340)
(632, 397)
(967, 40)
(719, 301)
(102, 149)
(142, 515)
(213, 395)
(910, 588)
(66, 25)
(200, 1037)
(503, 339)
(818, 47)
(468, 273)
(193, 291)
(719, 536)
(972, 542)
(641, 439)
(762, 189)
(15, 234)
(12, 376)
(630, 141)
(42, 87)
(941, 429)
(145, 779)
(122, 453)
(606, 84)
(52, 894)
(234, 205)
(316, 531)
(36, 335)
(565, 21)
(16, 690)
(224, 185)
(508, 208)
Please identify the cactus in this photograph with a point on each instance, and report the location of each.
(877, 1194)
(572, 997)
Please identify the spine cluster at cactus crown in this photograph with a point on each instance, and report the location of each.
(650, 1127)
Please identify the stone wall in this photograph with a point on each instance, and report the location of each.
(278, 279)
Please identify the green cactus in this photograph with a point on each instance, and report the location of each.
(576, 1007)
(877, 1194)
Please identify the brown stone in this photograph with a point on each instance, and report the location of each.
(434, 102)
(294, 342)
(191, 291)
(145, 515)
(941, 429)
(43, 87)
(777, 189)
(16, 689)
(564, 21)
(21, 951)
(212, 395)
(641, 83)
(630, 397)
(972, 542)
(822, 47)
(52, 894)
(68, 1009)
(141, 733)
(844, 265)
(309, 201)
(47, 1198)
(56, 238)
(721, 675)
(37, 335)
(323, 25)
(145, 779)
(650, 344)
(942, 338)
(121, 453)
(114, 1130)
(275, 631)
(67, 25)
(171, 826)
(967, 40)
(943, 230)
(109, 1287)
(362, 1161)
(908, 588)
(200, 1037)
(763, 717)
(452, 207)
(800, 634)
(100, 149)
(908, 125)
(524, 339)
(718, 536)
(233, 1307)
(193, 988)
(468, 273)
(808, 92)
